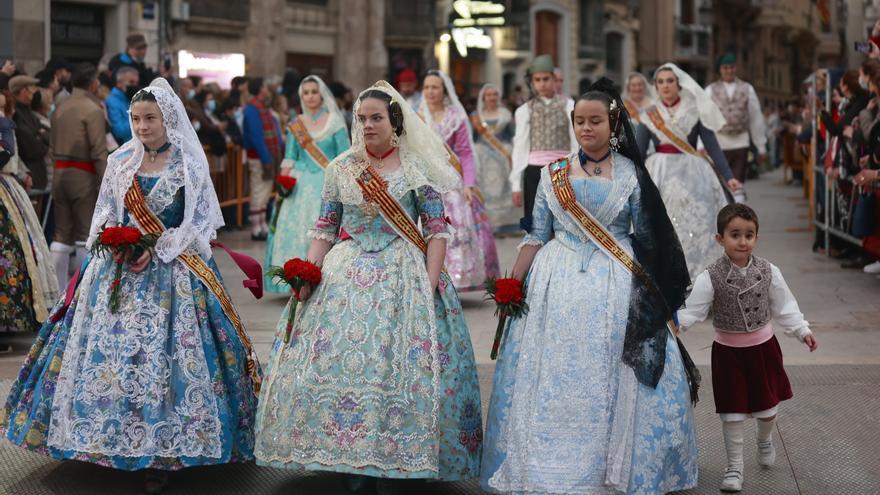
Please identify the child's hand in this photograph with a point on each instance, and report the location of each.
(810, 341)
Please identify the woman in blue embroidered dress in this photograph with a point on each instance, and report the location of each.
(161, 383)
(378, 378)
(591, 393)
(288, 237)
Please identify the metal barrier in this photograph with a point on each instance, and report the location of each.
(837, 209)
(230, 180)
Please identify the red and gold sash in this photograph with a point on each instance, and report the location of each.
(302, 136)
(595, 230)
(483, 130)
(684, 146)
(632, 110)
(137, 207)
(454, 161)
(375, 191)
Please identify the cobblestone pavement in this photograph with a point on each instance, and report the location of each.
(828, 438)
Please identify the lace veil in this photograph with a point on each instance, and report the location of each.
(710, 115)
(201, 217)
(424, 159)
(335, 119)
(504, 116)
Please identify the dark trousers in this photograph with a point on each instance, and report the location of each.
(531, 178)
(738, 160)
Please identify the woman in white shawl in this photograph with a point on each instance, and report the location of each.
(494, 132)
(694, 187)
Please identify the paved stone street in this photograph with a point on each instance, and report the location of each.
(828, 438)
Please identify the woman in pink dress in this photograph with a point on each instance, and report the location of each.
(471, 256)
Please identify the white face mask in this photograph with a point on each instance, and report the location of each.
(197, 125)
(863, 83)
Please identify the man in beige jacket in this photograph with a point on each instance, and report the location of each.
(78, 145)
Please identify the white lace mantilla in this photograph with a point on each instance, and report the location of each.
(201, 217)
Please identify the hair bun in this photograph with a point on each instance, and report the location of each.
(606, 86)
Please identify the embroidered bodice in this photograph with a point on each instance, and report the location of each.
(614, 203)
(365, 225)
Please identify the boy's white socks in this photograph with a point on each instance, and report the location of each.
(766, 449)
(733, 443)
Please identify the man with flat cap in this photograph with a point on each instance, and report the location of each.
(742, 111)
(543, 134)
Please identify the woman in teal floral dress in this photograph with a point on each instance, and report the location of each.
(378, 378)
(322, 120)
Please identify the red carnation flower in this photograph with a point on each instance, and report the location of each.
(124, 243)
(509, 296)
(296, 273)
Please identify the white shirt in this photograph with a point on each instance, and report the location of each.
(521, 145)
(757, 127)
(783, 306)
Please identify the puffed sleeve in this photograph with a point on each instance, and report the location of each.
(432, 214)
(542, 217)
(461, 145)
(330, 214)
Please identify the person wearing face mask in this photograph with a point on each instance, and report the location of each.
(118, 101)
(133, 56)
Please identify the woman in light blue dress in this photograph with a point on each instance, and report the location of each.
(591, 393)
(161, 383)
(378, 378)
(288, 237)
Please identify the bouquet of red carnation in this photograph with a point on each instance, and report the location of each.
(510, 299)
(284, 184)
(126, 243)
(296, 273)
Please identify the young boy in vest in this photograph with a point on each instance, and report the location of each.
(744, 292)
(543, 134)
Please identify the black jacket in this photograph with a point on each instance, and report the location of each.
(33, 143)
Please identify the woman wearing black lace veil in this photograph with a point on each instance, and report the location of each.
(592, 394)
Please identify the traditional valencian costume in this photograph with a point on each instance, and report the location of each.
(169, 379)
(493, 148)
(592, 394)
(693, 187)
(307, 156)
(471, 255)
(29, 287)
(378, 378)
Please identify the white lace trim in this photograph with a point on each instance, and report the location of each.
(99, 372)
(201, 217)
(320, 235)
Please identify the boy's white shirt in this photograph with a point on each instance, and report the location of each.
(783, 306)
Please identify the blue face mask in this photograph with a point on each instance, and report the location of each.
(239, 114)
(211, 105)
(190, 94)
(197, 125)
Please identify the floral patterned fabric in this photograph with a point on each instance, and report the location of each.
(299, 210)
(566, 415)
(159, 384)
(379, 376)
(690, 190)
(16, 296)
(493, 170)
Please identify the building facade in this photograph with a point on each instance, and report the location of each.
(678, 31)
(779, 43)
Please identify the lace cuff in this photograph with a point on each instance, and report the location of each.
(529, 241)
(439, 235)
(321, 235)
